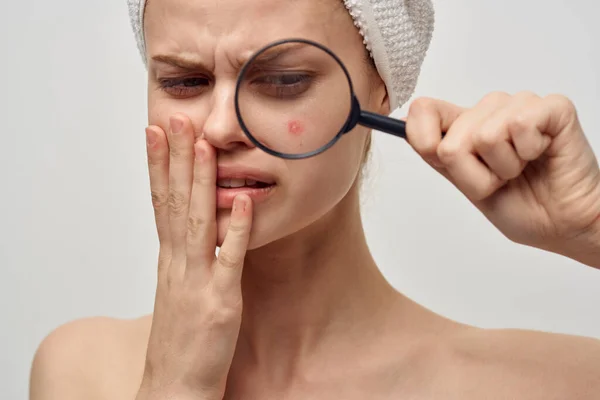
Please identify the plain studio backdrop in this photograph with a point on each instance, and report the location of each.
(77, 235)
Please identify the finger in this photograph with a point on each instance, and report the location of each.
(426, 120)
(492, 142)
(230, 261)
(555, 114)
(158, 168)
(529, 142)
(464, 169)
(202, 223)
(181, 149)
(526, 126)
(458, 156)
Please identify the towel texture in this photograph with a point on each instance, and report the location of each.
(397, 34)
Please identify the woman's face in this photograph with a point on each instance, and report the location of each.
(195, 49)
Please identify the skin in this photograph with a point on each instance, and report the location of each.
(295, 127)
(294, 306)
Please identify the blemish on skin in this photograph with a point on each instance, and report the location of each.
(295, 127)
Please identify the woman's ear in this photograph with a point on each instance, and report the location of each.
(385, 104)
(380, 99)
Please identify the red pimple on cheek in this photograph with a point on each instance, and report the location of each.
(295, 127)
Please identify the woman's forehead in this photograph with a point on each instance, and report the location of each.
(222, 17)
(213, 29)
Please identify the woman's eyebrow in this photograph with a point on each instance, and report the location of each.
(180, 62)
(192, 64)
(272, 54)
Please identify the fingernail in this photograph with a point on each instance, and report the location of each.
(150, 137)
(176, 125)
(239, 204)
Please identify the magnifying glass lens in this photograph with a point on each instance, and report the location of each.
(293, 98)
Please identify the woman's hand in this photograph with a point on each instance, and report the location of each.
(198, 305)
(524, 161)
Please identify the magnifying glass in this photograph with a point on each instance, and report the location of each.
(294, 99)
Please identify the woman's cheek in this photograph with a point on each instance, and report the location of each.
(322, 183)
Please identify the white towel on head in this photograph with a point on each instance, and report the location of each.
(396, 32)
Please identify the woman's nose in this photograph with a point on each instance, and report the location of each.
(221, 128)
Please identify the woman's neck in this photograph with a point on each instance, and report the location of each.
(306, 292)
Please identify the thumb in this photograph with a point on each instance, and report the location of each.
(428, 119)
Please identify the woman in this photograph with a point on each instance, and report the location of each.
(311, 317)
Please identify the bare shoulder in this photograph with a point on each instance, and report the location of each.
(91, 358)
(543, 365)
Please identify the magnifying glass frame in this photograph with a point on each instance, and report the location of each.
(356, 116)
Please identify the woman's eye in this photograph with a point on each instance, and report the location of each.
(285, 80)
(184, 87)
(282, 84)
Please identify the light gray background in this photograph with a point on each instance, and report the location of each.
(76, 232)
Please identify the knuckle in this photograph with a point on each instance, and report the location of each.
(174, 150)
(226, 260)
(485, 139)
(225, 315)
(203, 180)
(237, 228)
(177, 203)
(447, 152)
(196, 224)
(564, 103)
(518, 124)
(159, 199)
(495, 97)
(154, 160)
(499, 95)
(526, 95)
(421, 105)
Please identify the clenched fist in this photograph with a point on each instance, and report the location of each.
(524, 161)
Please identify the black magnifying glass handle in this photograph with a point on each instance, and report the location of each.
(383, 123)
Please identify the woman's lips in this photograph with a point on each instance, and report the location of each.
(233, 180)
(225, 195)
